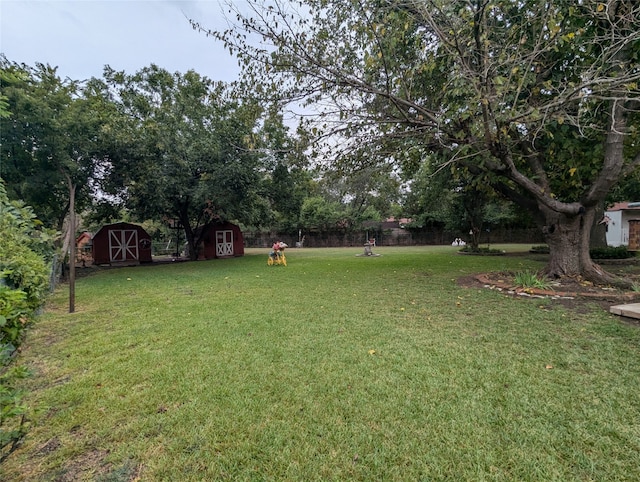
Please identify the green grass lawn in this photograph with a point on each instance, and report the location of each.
(336, 367)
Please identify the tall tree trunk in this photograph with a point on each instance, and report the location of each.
(568, 237)
(599, 229)
(192, 239)
(192, 248)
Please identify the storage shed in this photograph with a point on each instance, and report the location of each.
(221, 240)
(121, 243)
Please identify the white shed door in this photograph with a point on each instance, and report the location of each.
(123, 244)
(224, 243)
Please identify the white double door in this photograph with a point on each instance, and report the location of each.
(123, 244)
(224, 243)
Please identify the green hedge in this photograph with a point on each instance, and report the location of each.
(24, 272)
(25, 251)
(619, 252)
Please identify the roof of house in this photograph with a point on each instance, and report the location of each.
(84, 235)
(623, 206)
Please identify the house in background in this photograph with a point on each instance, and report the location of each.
(121, 243)
(83, 248)
(391, 231)
(623, 222)
(221, 240)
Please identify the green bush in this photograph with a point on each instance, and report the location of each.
(25, 270)
(25, 250)
(540, 249)
(468, 249)
(14, 318)
(618, 252)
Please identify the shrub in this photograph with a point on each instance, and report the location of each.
(619, 252)
(24, 270)
(24, 251)
(468, 249)
(541, 249)
(610, 252)
(14, 317)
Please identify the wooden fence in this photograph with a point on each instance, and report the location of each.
(395, 237)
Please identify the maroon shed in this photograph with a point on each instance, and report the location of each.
(121, 243)
(221, 240)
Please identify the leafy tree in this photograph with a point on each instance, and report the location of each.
(287, 188)
(50, 147)
(288, 180)
(50, 139)
(537, 98)
(458, 203)
(5, 78)
(363, 187)
(183, 148)
(320, 214)
(627, 190)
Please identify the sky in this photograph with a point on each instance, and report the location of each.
(80, 37)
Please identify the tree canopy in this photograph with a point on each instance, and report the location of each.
(183, 149)
(51, 134)
(538, 100)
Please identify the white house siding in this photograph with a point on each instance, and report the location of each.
(618, 228)
(617, 234)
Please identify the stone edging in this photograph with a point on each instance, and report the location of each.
(540, 293)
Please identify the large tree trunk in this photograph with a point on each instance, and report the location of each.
(189, 232)
(568, 237)
(192, 245)
(599, 229)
